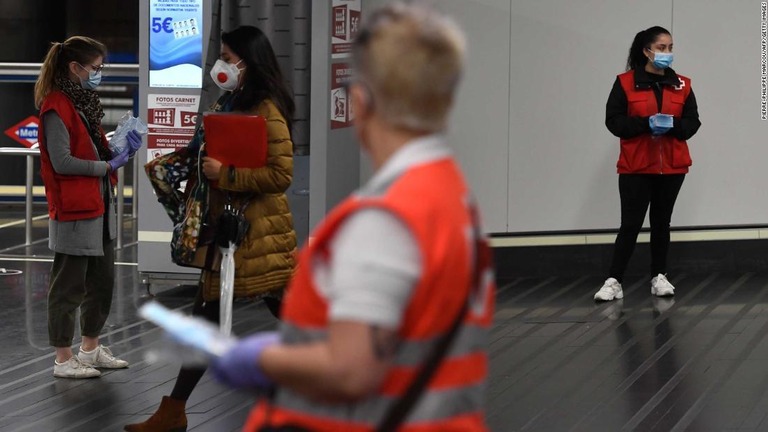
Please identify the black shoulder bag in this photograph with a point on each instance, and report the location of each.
(232, 226)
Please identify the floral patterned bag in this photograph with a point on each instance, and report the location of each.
(192, 239)
(192, 243)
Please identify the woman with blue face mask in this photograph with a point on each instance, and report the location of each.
(653, 112)
(79, 173)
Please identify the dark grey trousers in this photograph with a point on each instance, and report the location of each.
(86, 282)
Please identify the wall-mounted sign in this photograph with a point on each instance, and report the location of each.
(172, 119)
(341, 113)
(176, 43)
(25, 132)
(345, 21)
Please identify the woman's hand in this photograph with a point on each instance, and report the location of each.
(211, 168)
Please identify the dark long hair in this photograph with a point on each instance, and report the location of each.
(263, 78)
(637, 59)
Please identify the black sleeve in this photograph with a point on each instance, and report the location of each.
(688, 124)
(616, 118)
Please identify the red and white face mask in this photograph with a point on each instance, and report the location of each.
(225, 75)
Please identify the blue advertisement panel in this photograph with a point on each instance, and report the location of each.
(176, 43)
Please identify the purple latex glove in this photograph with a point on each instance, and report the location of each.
(239, 367)
(134, 140)
(119, 160)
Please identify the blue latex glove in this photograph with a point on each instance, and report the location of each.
(119, 160)
(134, 140)
(660, 123)
(239, 366)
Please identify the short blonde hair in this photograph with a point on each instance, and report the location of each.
(411, 58)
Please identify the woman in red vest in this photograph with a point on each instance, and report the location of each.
(78, 170)
(653, 111)
(394, 272)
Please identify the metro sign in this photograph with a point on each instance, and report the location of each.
(25, 131)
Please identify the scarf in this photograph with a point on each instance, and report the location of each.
(87, 102)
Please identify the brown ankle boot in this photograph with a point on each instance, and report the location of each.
(169, 417)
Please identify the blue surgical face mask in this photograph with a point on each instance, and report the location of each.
(93, 81)
(662, 60)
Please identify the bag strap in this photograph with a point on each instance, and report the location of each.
(246, 201)
(399, 411)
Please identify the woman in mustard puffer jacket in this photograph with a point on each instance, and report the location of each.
(264, 262)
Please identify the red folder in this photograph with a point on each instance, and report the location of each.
(236, 139)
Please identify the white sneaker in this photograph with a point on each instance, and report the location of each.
(101, 357)
(611, 290)
(74, 368)
(661, 287)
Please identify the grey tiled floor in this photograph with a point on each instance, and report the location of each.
(559, 362)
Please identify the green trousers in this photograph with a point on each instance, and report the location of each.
(76, 281)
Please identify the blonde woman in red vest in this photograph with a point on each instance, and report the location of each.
(653, 111)
(391, 269)
(78, 170)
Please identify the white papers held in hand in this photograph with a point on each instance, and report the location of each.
(188, 331)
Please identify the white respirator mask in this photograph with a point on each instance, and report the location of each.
(225, 75)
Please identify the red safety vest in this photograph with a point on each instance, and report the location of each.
(646, 153)
(432, 200)
(70, 197)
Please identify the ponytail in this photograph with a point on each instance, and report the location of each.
(79, 49)
(45, 81)
(637, 58)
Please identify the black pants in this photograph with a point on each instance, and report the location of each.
(637, 191)
(210, 311)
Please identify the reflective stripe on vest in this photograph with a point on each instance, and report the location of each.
(470, 339)
(460, 423)
(432, 406)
